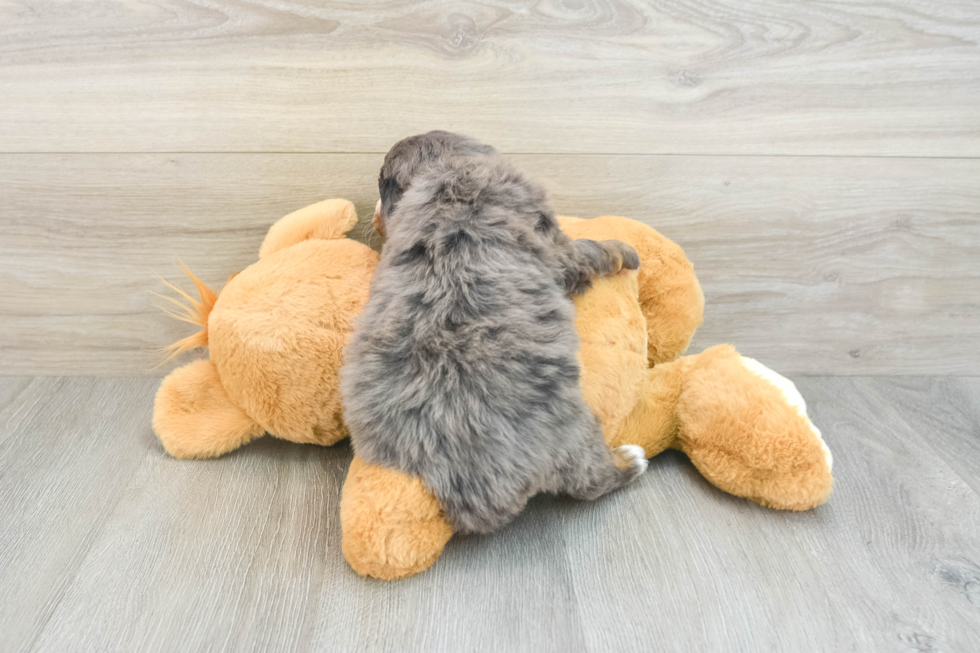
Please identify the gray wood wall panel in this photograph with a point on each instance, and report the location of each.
(242, 552)
(814, 265)
(900, 77)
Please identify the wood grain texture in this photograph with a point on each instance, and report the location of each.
(947, 406)
(898, 77)
(67, 451)
(242, 553)
(888, 564)
(814, 265)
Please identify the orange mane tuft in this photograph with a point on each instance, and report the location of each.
(193, 311)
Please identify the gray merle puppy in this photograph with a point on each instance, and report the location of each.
(462, 369)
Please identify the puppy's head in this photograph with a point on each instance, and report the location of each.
(411, 156)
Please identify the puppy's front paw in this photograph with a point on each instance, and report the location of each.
(622, 255)
(631, 260)
(632, 459)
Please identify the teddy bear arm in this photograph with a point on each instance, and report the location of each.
(193, 416)
(670, 295)
(326, 220)
(672, 302)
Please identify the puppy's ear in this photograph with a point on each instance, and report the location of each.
(390, 192)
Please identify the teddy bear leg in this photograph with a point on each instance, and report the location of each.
(652, 424)
(746, 430)
(193, 416)
(393, 526)
(326, 220)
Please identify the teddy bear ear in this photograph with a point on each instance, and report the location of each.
(566, 221)
(193, 416)
(326, 220)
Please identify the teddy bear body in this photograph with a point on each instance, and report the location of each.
(277, 335)
(277, 331)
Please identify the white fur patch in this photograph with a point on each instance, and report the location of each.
(793, 398)
(637, 455)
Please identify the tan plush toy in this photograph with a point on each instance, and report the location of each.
(276, 336)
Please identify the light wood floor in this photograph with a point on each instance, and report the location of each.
(109, 544)
(818, 160)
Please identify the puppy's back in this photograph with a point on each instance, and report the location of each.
(463, 367)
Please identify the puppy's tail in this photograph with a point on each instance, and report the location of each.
(191, 311)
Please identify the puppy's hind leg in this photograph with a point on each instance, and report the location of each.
(597, 469)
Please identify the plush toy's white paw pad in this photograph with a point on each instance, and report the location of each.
(636, 456)
(792, 396)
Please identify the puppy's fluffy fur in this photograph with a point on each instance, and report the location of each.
(462, 369)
